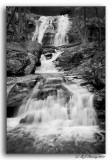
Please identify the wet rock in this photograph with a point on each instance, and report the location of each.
(23, 120)
(19, 136)
(99, 101)
(19, 89)
(31, 65)
(50, 50)
(69, 59)
(27, 119)
(86, 60)
(34, 48)
(48, 55)
(88, 63)
(54, 80)
(13, 46)
(22, 140)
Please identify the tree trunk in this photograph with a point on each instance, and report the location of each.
(15, 31)
(19, 26)
(11, 17)
(25, 22)
(85, 39)
(99, 22)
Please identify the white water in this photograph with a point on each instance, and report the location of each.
(68, 112)
(44, 24)
(61, 37)
(78, 111)
(41, 26)
(47, 66)
(55, 114)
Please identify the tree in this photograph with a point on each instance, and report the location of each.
(81, 23)
(85, 39)
(99, 23)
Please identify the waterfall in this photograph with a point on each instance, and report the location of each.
(41, 26)
(45, 24)
(63, 27)
(47, 66)
(56, 108)
(78, 111)
(53, 107)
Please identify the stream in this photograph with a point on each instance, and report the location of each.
(59, 115)
(56, 111)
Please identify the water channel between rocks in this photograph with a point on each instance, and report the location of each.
(57, 110)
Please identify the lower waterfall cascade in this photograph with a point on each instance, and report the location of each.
(68, 112)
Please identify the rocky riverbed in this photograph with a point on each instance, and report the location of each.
(83, 65)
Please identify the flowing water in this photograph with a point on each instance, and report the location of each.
(46, 24)
(54, 106)
(47, 66)
(41, 26)
(61, 37)
(57, 108)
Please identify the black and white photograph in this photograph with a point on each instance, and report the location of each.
(55, 80)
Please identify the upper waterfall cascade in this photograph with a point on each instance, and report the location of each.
(61, 37)
(46, 25)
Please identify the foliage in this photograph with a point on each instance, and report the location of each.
(21, 24)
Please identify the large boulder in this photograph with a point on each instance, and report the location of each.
(16, 63)
(34, 48)
(13, 46)
(22, 59)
